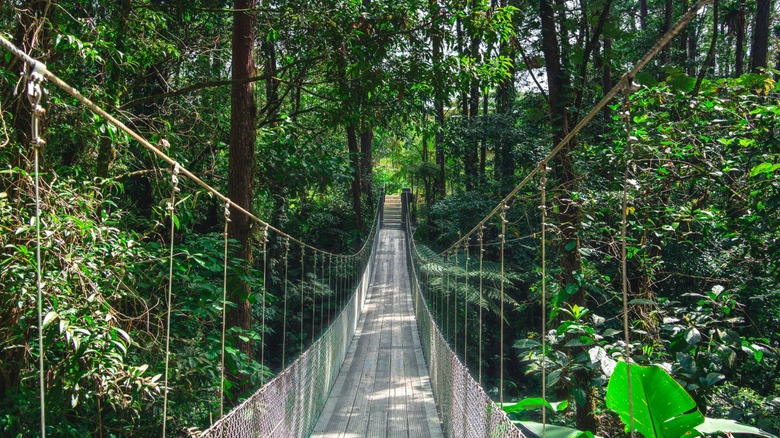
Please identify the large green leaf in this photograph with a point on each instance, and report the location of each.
(551, 431)
(662, 408)
(532, 403)
(718, 425)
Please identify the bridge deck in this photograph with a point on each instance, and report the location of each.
(383, 389)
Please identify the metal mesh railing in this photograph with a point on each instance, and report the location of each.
(465, 408)
(290, 404)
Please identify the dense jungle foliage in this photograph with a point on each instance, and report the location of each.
(457, 99)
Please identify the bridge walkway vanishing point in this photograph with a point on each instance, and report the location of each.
(383, 388)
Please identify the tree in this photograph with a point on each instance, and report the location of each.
(760, 47)
(241, 167)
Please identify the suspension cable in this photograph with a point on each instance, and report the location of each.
(34, 95)
(322, 295)
(630, 140)
(172, 209)
(543, 209)
(224, 313)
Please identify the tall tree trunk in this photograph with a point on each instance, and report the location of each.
(606, 73)
(505, 94)
(366, 166)
(483, 142)
(472, 152)
(666, 54)
(241, 166)
(711, 52)
(643, 14)
(569, 209)
(439, 95)
(354, 154)
(760, 47)
(739, 45)
(271, 84)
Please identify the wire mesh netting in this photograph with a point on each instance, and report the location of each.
(465, 408)
(290, 404)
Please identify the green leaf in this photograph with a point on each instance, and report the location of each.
(49, 318)
(552, 431)
(532, 403)
(719, 425)
(662, 408)
(764, 168)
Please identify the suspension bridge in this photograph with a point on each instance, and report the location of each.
(390, 356)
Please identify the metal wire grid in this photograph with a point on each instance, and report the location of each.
(291, 403)
(466, 410)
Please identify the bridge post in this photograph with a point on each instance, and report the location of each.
(406, 198)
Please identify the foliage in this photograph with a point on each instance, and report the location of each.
(659, 407)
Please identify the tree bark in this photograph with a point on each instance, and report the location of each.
(241, 166)
(366, 166)
(473, 149)
(711, 52)
(439, 95)
(643, 14)
(760, 47)
(569, 209)
(354, 154)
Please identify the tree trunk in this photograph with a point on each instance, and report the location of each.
(241, 166)
(760, 47)
(354, 155)
(739, 49)
(366, 166)
(711, 52)
(438, 91)
(472, 155)
(569, 209)
(643, 14)
(666, 54)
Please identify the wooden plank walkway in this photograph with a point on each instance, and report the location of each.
(383, 389)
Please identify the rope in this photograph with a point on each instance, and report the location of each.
(543, 209)
(224, 314)
(172, 208)
(284, 317)
(630, 140)
(35, 94)
(322, 295)
(678, 26)
(504, 208)
(264, 292)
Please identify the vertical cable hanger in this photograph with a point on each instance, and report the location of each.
(172, 209)
(35, 95)
(224, 312)
(504, 208)
(264, 294)
(284, 317)
(314, 295)
(480, 236)
(303, 277)
(629, 87)
(455, 267)
(466, 306)
(330, 288)
(543, 210)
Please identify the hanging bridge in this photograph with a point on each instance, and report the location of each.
(388, 354)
